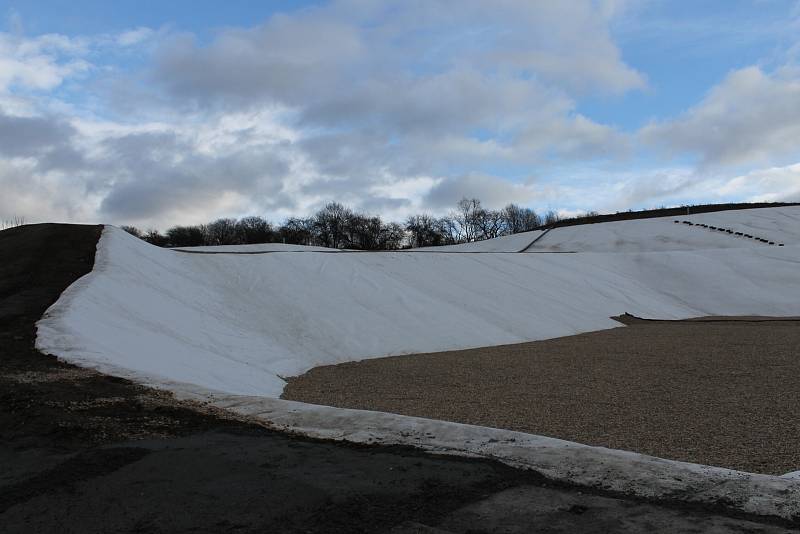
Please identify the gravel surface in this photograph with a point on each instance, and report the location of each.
(719, 391)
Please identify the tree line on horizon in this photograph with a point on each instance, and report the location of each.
(337, 226)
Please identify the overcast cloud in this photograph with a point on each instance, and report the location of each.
(391, 107)
(750, 117)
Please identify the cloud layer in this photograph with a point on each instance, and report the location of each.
(751, 116)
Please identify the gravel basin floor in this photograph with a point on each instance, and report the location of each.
(722, 391)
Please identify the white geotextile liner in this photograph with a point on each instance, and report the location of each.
(224, 328)
(237, 323)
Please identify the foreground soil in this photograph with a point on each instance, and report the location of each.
(718, 391)
(85, 452)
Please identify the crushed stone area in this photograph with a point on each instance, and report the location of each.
(715, 391)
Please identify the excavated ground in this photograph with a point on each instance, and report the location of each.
(718, 391)
(85, 452)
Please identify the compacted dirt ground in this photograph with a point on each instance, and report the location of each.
(717, 391)
(85, 452)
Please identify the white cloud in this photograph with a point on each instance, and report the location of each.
(323, 53)
(774, 184)
(40, 63)
(135, 36)
(750, 117)
(392, 107)
(39, 196)
(414, 88)
(494, 192)
(375, 103)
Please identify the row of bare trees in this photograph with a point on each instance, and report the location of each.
(337, 226)
(470, 221)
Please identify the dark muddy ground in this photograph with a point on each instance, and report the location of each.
(84, 452)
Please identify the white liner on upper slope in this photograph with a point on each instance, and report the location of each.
(236, 323)
(508, 243)
(662, 234)
(644, 235)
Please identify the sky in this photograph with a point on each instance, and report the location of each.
(154, 113)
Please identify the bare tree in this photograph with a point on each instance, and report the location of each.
(135, 232)
(330, 225)
(365, 232)
(425, 231)
(362, 232)
(252, 230)
(466, 217)
(551, 218)
(490, 224)
(297, 231)
(222, 232)
(337, 226)
(449, 229)
(154, 237)
(392, 237)
(187, 236)
(518, 219)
